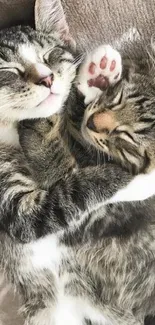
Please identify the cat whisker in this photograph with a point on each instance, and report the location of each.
(151, 57)
(79, 58)
(76, 62)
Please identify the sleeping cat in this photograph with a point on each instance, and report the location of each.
(102, 263)
(36, 72)
(53, 225)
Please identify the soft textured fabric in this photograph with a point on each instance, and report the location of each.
(91, 21)
(96, 21)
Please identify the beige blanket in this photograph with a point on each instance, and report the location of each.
(91, 22)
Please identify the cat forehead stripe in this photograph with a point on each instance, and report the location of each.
(28, 53)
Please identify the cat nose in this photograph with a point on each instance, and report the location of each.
(90, 123)
(99, 122)
(47, 81)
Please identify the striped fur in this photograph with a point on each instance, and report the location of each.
(73, 255)
(104, 266)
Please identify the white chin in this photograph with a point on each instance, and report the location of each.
(51, 105)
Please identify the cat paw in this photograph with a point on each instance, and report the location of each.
(101, 68)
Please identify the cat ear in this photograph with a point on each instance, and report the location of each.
(50, 17)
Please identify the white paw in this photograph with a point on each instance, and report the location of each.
(101, 68)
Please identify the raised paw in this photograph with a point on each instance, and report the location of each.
(101, 68)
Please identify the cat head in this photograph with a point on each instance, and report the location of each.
(121, 122)
(36, 66)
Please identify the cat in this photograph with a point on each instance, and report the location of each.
(41, 216)
(36, 72)
(103, 261)
(29, 89)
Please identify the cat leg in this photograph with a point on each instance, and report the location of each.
(44, 149)
(101, 68)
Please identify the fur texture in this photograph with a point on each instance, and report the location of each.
(125, 15)
(74, 257)
(91, 23)
(105, 256)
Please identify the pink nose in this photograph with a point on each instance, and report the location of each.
(47, 81)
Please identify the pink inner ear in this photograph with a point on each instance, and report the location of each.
(62, 26)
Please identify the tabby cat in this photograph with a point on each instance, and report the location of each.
(73, 252)
(103, 262)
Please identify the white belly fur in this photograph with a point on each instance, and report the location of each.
(48, 253)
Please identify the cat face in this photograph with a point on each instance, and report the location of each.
(121, 121)
(36, 68)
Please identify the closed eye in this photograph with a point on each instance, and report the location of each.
(60, 53)
(18, 69)
(13, 70)
(46, 55)
(55, 51)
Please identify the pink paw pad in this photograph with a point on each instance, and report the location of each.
(100, 82)
(100, 69)
(103, 62)
(113, 65)
(92, 68)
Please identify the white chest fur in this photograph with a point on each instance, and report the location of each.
(48, 253)
(9, 134)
